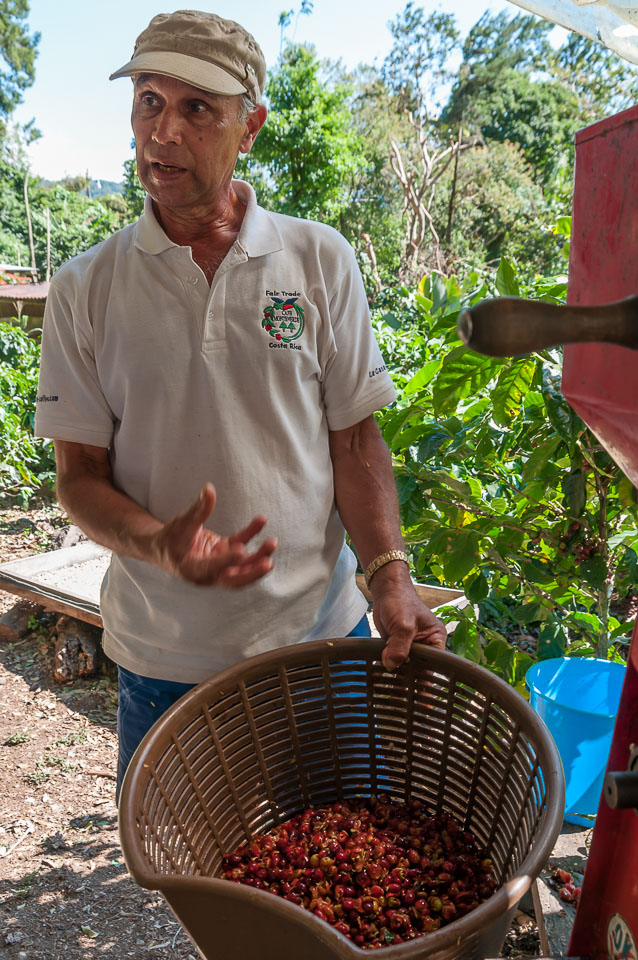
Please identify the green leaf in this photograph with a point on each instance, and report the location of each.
(463, 373)
(628, 537)
(439, 293)
(506, 279)
(538, 572)
(391, 321)
(539, 457)
(429, 445)
(439, 543)
(575, 491)
(552, 641)
(527, 612)
(563, 227)
(425, 305)
(501, 659)
(587, 621)
(475, 487)
(626, 492)
(465, 642)
(422, 377)
(511, 387)
(594, 571)
(462, 557)
(406, 486)
(477, 589)
(563, 418)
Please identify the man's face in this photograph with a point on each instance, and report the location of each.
(187, 141)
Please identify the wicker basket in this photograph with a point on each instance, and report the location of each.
(317, 722)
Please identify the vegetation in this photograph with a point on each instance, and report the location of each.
(504, 491)
(26, 464)
(449, 168)
(18, 51)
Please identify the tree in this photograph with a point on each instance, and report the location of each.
(18, 51)
(134, 192)
(602, 81)
(499, 210)
(417, 69)
(307, 153)
(504, 92)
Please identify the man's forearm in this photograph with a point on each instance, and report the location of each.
(366, 495)
(183, 546)
(108, 516)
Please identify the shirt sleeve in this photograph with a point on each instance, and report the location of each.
(70, 404)
(355, 378)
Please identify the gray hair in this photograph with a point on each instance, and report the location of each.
(246, 107)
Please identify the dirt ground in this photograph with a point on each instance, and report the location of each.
(64, 890)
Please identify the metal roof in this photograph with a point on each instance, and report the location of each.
(24, 291)
(614, 23)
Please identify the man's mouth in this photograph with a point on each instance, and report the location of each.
(166, 167)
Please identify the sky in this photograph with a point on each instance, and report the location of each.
(84, 118)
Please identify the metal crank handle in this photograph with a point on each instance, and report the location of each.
(510, 326)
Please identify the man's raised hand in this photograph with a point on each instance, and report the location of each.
(187, 549)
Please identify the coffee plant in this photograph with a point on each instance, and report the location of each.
(26, 463)
(504, 492)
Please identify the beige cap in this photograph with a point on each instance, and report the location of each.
(201, 49)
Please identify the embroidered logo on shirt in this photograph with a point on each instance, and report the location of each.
(283, 319)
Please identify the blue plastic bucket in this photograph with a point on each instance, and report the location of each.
(578, 699)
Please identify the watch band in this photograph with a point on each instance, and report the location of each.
(381, 561)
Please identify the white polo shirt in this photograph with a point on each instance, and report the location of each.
(238, 383)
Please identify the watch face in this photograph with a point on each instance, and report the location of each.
(620, 940)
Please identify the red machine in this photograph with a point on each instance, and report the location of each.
(600, 380)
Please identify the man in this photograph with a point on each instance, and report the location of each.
(216, 357)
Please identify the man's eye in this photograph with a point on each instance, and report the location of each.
(148, 100)
(197, 106)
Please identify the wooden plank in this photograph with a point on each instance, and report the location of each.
(432, 597)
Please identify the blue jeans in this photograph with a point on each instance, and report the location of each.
(143, 700)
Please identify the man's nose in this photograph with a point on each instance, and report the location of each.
(168, 127)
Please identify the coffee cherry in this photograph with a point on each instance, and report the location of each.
(380, 872)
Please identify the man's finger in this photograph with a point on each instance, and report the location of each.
(267, 548)
(397, 648)
(437, 637)
(254, 527)
(206, 571)
(242, 575)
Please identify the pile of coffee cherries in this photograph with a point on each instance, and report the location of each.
(380, 872)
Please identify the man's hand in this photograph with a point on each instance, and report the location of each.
(185, 548)
(401, 617)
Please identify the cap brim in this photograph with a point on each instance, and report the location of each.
(198, 73)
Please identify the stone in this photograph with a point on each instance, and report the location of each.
(67, 536)
(14, 624)
(77, 650)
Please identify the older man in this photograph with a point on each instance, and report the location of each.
(217, 357)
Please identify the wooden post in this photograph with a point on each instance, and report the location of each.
(26, 204)
(48, 219)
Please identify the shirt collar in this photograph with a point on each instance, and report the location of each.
(258, 234)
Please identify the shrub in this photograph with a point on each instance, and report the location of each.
(26, 463)
(504, 491)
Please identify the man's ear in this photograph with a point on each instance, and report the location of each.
(254, 123)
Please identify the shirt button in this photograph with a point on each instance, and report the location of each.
(192, 279)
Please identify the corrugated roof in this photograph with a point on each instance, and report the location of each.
(24, 291)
